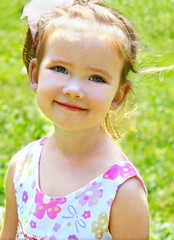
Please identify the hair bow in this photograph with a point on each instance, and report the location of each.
(36, 8)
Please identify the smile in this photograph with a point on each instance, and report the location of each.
(70, 107)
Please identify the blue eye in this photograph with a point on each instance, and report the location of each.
(60, 69)
(96, 78)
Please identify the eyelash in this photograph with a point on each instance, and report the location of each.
(96, 78)
(60, 69)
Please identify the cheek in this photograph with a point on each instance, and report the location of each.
(46, 93)
(101, 99)
(102, 94)
(49, 87)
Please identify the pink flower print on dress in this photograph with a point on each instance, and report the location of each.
(72, 237)
(51, 208)
(56, 227)
(90, 195)
(52, 238)
(125, 171)
(109, 202)
(25, 197)
(33, 224)
(112, 173)
(43, 141)
(86, 214)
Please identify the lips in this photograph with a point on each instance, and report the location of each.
(70, 106)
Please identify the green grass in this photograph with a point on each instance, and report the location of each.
(150, 147)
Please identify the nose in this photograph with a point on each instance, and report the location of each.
(73, 89)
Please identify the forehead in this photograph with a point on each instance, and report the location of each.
(89, 26)
(84, 33)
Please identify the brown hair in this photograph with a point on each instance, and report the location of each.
(99, 13)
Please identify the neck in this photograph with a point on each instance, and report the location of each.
(77, 143)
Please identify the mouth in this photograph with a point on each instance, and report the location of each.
(71, 107)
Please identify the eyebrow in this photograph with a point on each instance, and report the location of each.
(101, 71)
(58, 61)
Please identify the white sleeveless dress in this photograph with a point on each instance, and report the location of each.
(80, 215)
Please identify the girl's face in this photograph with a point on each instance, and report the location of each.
(78, 78)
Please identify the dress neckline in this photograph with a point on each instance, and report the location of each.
(80, 189)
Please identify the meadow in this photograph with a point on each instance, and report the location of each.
(149, 142)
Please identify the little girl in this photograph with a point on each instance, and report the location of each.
(76, 184)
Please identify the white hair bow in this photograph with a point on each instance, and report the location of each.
(36, 8)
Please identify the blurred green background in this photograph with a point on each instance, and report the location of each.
(149, 143)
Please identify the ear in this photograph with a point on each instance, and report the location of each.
(121, 95)
(33, 74)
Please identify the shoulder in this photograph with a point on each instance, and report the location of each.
(11, 217)
(129, 217)
(12, 165)
(19, 157)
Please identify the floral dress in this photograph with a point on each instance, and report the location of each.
(80, 215)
